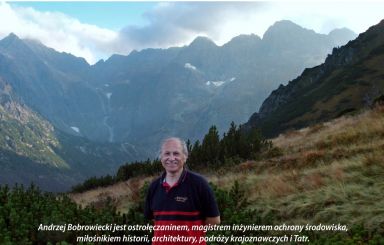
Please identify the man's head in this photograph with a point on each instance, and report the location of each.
(173, 154)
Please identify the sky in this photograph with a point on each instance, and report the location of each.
(96, 30)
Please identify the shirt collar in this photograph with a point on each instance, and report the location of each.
(181, 178)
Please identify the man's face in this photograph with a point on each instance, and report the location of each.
(172, 156)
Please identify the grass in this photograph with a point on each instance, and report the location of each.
(327, 173)
(123, 195)
(333, 173)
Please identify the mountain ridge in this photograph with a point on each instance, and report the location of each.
(119, 109)
(347, 68)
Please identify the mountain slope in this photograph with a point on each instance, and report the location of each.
(349, 79)
(32, 150)
(27, 145)
(53, 84)
(24, 132)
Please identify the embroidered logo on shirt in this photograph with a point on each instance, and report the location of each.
(181, 199)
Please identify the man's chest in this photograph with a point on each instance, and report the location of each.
(176, 199)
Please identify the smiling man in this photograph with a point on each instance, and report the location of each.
(179, 200)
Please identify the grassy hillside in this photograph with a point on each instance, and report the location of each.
(328, 173)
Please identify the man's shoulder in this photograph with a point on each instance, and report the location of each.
(155, 182)
(196, 177)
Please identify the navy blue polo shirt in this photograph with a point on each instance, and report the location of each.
(189, 202)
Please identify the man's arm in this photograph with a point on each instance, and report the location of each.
(210, 209)
(148, 214)
(212, 220)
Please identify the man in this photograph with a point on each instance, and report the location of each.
(179, 198)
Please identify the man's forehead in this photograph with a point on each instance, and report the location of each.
(171, 144)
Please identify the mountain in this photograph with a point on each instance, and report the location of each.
(32, 150)
(43, 82)
(65, 63)
(118, 110)
(350, 79)
(342, 35)
(140, 98)
(183, 91)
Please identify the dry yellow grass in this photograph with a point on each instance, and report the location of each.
(336, 175)
(122, 194)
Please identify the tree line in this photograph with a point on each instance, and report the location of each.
(212, 152)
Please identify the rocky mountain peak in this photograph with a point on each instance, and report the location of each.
(284, 28)
(11, 38)
(202, 42)
(244, 41)
(11, 41)
(13, 46)
(342, 34)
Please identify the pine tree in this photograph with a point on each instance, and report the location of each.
(229, 143)
(194, 159)
(210, 147)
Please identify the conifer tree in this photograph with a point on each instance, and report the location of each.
(210, 148)
(194, 158)
(228, 143)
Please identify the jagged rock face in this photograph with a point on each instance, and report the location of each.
(346, 81)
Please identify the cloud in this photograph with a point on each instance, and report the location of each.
(58, 31)
(170, 24)
(178, 23)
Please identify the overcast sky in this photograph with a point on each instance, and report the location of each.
(96, 30)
